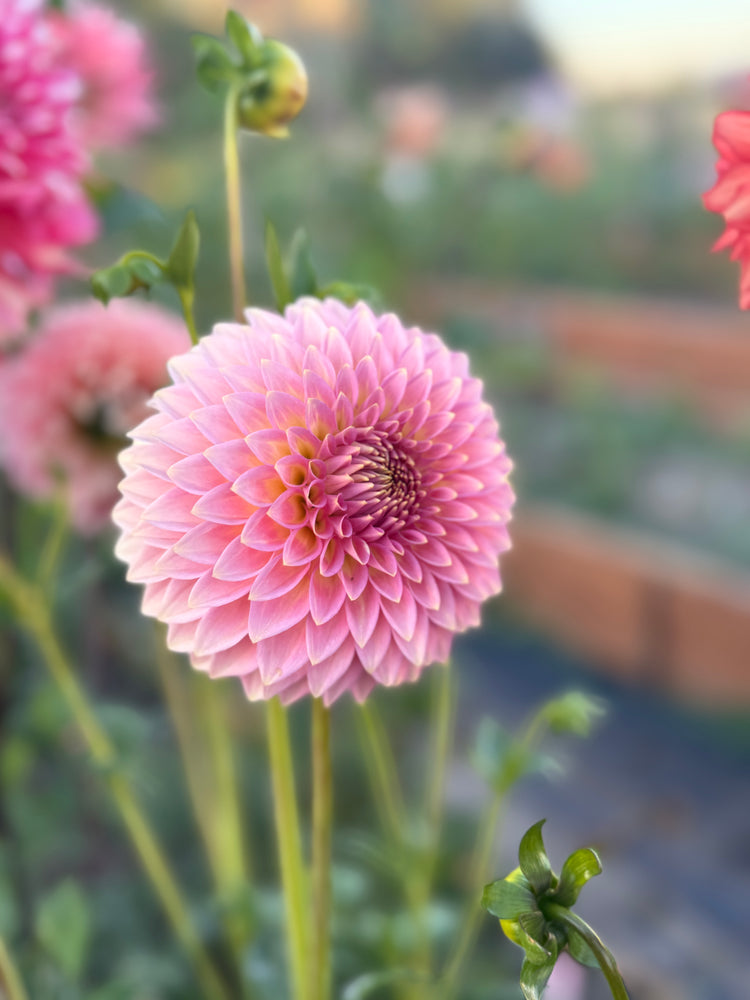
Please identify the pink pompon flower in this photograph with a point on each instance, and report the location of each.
(109, 57)
(730, 195)
(318, 503)
(43, 209)
(70, 395)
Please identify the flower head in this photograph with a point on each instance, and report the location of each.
(318, 503)
(68, 398)
(43, 209)
(109, 57)
(730, 195)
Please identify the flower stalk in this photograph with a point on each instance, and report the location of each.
(565, 916)
(321, 850)
(10, 978)
(293, 873)
(234, 202)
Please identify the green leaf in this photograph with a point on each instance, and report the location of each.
(509, 897)
(184, 254)
(540, 946)
(245, 37)
(574, 713)
(213, 64)
(303, 278)
(533, 859)
(146, 273)
(579, 950)
(111, 283)
(279, 281)
(581, 866)
(63, 927)
(534, 978)
(348, 293)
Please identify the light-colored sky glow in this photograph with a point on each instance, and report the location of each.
(611, 46)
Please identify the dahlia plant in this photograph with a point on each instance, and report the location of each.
(315, 505)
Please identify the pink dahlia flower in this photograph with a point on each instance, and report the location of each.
(318, 503)
(109, 57)
(43, 210)
(730, 195)
(69, 397)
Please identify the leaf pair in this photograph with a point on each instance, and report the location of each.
(533, 905)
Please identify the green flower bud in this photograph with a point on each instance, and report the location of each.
(267, 106)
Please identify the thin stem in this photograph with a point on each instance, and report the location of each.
(382, 770)
(53, 543)
(293, 874)
(234, 204)
(10, 979)
(321, 850)
(473, 912)
(605, 958)
(186, 302)
(30, 605)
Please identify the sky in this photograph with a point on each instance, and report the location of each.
(633, 45)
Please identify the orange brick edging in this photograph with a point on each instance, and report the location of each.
(649, 611)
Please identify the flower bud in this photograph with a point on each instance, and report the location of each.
(266, 107)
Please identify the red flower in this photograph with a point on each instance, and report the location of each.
(730, 195)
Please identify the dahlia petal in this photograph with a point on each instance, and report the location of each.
(415, 649)
(221, 627)
(210, 592)
(389, 586)
(202, 542)
(332, 557)
(324, 640)
(401, 614)
(426, 590)
(284, 410)
(317, 362)
(275, 579)
(230, 458)
(238, 561)
(260, 532)
(182, 436)
(214, 424)
(314, 386)
(236, 661)
(172, 510)
(269, 618)
(327, 594)
(371, 655)
(247, 410)
(362, 614)
(194, 474)
(282, 654)
(268, 446)
(278, 377)
(354, 577)
(259, 486)
(301, 547)
(324, 675)
(222, 506)
(181, 636)
(319, 418)
(393, 386)
(303, 442)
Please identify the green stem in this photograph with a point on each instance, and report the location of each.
(293, 874)
(381, 768)
(186, 301)
(30, 604)
(10, 979)
(53, 543)
(605, 958)
(321, 850)
(234, 204)
(213, 796)
(479, 869)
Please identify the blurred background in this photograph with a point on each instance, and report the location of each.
(526, 177)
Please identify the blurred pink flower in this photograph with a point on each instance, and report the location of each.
(109, 57)
(318, 503)
(43, 209)
(730, 195)
(70, 395)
